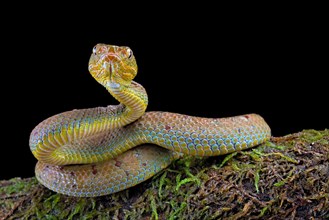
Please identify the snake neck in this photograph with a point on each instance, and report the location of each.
(133, 99)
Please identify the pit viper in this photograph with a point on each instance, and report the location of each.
(103, 150)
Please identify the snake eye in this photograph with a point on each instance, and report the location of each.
(94, 50)
(130, 53)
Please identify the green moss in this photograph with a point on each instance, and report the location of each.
(177, 212)
(284, 178)
(314, 136)
(262, 212)
(278, 147)
(17, 185)
(227, 158)
(52, 201)
(257, 180)
(280, 183)
(162, 181)
(154, 209)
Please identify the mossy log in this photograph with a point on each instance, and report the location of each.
(284, 178)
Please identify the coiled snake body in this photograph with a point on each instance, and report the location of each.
(113, 148)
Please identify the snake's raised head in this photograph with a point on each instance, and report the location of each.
(112, 64)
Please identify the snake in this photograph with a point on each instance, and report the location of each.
(103, 150)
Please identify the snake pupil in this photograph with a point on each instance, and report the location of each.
(130, 53)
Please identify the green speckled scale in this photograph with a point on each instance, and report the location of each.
(118, 147)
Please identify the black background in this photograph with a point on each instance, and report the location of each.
(272, 67)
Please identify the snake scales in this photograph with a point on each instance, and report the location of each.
(99, 144)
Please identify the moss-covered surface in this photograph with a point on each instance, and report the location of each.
(285, 178)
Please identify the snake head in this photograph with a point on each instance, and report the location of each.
(112, 64)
